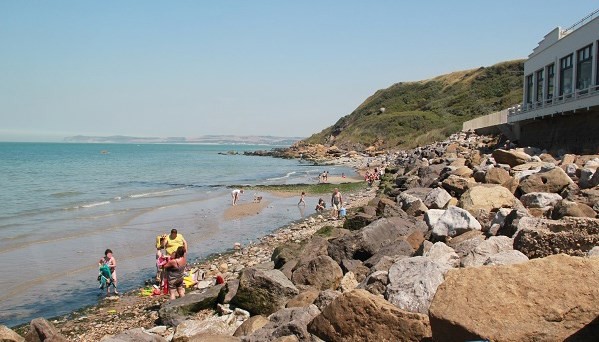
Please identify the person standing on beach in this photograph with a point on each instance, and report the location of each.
(175, 268)
(336, 203)
(235, 194)
(110, 261)
(302, 201)
(173, 241)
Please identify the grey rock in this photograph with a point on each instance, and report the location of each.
(263, 292)
(176, 311)
(593, 252)
(321, 272)
(286, 322)
(325, 298)
(42, 330)
(437, 198)
(431, 217)
(134, 335)
(7, 335)
(506, 258)
(443, 255)
(455, 221)
(487, 248)
(540, 199)
(375, 283)
(413, 283)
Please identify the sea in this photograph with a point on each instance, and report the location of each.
(63, 204)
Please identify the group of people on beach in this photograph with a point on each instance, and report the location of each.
(372, 176)
(171, 260)
(337, 208)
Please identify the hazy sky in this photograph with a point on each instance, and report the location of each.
(288, 68)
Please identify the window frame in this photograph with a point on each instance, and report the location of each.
(539, 81)
(529, 88)
(550, 81)
(566, 64)
(588, 51)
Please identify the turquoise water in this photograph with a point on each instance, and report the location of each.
(64, 204)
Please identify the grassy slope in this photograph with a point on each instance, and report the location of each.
(421, 112)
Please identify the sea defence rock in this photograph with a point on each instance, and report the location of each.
(42, 330)
(250, 325)
(366, 242)
(263, 292)
(322, 272)
(376, 283)
(497, 175)
(538, 238)
(524, 305)
(176, 311)
(199, 330)
(7, 335)
(457, 185)
(413, 283)
(286, 322)
(361, 316)
(540, 199)
(568, 208)
(511, 157)
(443, 255)
(489, 197)
(506, 258)
(453, 222)
(437, 198)
(553, 180)
(487, 248)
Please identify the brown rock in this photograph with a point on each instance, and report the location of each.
(305, 298)
(519, 302)
(554, 180)
(488, 197)
(7, 335)
(457, 185)
(511, 157)
(462, 171)
(568, 208)
(361, 316)
(42, 330)
(538, 238)
(250, 325)
(497, 175)
(321, 272)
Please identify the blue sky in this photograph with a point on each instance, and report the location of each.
(289, 68)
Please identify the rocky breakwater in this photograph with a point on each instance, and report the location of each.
(464, 241)
(313, 152)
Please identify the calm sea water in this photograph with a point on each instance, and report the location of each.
(64, 204)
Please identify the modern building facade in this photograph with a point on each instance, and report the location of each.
(561, 76)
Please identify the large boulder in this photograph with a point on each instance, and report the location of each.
(413, 283)
(263, 292)
(569, 208)
(361, 316)
(540, 199)
(553, 180)
(7, 335)
(286, 322)
(443, 255)
(198, 330)
(321, 273)
(317, 246)
(488, 197)
(511, 157)
(131, 335)
(376, 283)
(42, 330)
(176, 311)
(453, 222)
(366, 242)
(487, 248)
(497, 175)
(457, 185)
(466, 242)
(428, 175)
(325, 298)
(550, 299)
(437, 198)
(538, 238)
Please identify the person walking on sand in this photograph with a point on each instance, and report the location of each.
(235, 194)
(302, 200)
(336, 203)
(173, 241)
(175, 269)
(110, 261)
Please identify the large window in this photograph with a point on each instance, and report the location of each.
(566, 76)
(550, 81)
(584, 67)
(529, 85)
(539, 83)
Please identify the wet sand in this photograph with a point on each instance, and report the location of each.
(242, 210)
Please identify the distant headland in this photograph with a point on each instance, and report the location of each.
(204, 139)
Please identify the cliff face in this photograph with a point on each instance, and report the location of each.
(416, 113)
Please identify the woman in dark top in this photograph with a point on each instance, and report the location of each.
(175, 268)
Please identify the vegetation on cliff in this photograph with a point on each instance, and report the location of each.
(416, 113)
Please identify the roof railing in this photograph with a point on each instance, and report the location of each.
(580, 22)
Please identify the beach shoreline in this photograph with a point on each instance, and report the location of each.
(90, 318)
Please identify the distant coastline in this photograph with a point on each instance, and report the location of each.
(205, 139)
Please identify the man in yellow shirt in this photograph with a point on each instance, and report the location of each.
(174, 241)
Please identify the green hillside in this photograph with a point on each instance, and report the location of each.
(417, 113)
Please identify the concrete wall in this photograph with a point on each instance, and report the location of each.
(492, 119)
(578, 133)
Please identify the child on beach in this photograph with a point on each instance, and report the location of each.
(110, 261)
(321, 205)
(302, 201)
(235, 194)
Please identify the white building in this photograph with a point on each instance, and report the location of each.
(561, 75)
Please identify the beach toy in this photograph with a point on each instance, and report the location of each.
(111, 311)
(342, 212)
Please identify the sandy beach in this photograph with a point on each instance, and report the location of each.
(244, 209)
